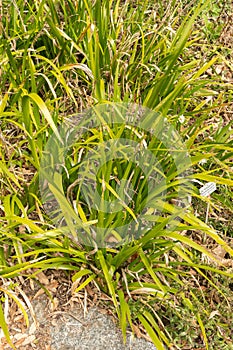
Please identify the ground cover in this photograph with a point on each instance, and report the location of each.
(61, 58)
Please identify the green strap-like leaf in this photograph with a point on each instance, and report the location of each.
(4, 327)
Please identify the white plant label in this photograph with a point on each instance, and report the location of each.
(207, 189)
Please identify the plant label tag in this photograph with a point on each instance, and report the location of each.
(207, 189)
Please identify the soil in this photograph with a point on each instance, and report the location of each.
(62, 321)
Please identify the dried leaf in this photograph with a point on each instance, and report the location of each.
(30, 339)
(214, 313)
(42, 278)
